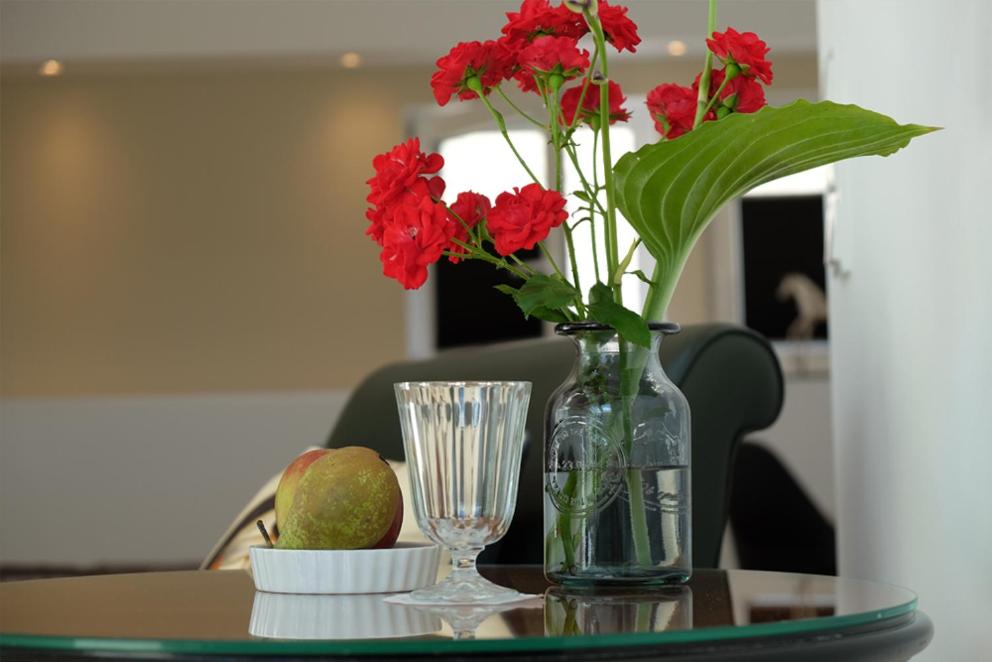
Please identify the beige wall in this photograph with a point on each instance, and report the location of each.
(176, 233)
(202, 230)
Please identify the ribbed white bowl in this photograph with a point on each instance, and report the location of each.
(283, 616)
(405, 567)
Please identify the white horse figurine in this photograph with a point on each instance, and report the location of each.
(811, 303)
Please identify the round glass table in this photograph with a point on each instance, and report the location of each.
(732, 614)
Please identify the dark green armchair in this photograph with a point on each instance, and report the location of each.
(730, 376)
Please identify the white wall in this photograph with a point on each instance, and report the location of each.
(143, 479)
(801, 437)
(911, 322)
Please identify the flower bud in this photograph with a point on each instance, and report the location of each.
(473, 83)
(582, 6)
(556, 81)
(722, 112)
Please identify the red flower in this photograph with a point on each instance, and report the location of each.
(673, 109)
(742, 94)
(745, 50)
(550, 55)
(414, 239)
(490, 62)
(590, 104)
(620, 30)
(470, 208)
(525, 217)
(398, 177)
(537, 18)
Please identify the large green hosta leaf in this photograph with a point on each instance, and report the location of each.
(670, 190)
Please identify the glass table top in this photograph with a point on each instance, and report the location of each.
(220, 612)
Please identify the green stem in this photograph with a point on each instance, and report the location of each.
(595, 186)
(628, 385)
(475, 253)
(554, 265)
(716, 95)
(622, 267)
(612, 252)
(591, 192)
(665, 278)
(704, 80)
(574, 264)
(582, 93)
(518, 109)
(521, 263)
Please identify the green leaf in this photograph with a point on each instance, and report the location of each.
(669, 191)
(641, 276)
(600, 293)
(582, 195)
(544, 297)
(629, 324)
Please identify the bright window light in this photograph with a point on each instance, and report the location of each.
(480, 161)
(808, 182)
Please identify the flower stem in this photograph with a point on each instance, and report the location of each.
(554, 265)
(582, 93)
(518, 109)
(704, 81)
(476, 253)
(629, 380)
(612, 257)
(590, 191)
(716, 95)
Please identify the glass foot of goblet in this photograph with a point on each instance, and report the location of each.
(465, 590)
(465, 586)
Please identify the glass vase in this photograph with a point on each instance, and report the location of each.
(617, 485)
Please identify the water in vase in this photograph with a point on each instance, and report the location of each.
(591, 535)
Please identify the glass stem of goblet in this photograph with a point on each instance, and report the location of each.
(463, 563)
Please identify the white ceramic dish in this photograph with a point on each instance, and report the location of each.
(405, 567)
(284, 616)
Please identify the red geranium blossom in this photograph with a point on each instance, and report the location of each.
(470, 208)
(399, 175)
(744, 94)
(619, 29)
(414, 239)
(590, 104)
(524, 217)
(673, 109)
(745, 50)
(488, 61)
(537, 18)
(550, 55)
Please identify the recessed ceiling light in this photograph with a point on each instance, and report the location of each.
(676, 48)
(50, 68)
(351, 60)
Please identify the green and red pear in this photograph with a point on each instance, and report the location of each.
(345, 498)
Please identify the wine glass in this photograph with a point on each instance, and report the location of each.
(463, 443)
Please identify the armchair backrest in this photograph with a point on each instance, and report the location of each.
(730, 376)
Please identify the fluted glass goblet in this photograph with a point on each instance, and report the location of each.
(463, 443)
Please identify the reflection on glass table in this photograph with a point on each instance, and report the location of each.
(715, 616)
(291, 616)
(663, 610)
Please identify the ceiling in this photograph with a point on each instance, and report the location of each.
(382, 31)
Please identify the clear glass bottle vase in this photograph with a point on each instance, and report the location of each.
(617, 449)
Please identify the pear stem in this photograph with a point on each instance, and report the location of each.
(265, 533)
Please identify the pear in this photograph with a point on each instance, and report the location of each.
(290, 481)
(345, 498)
